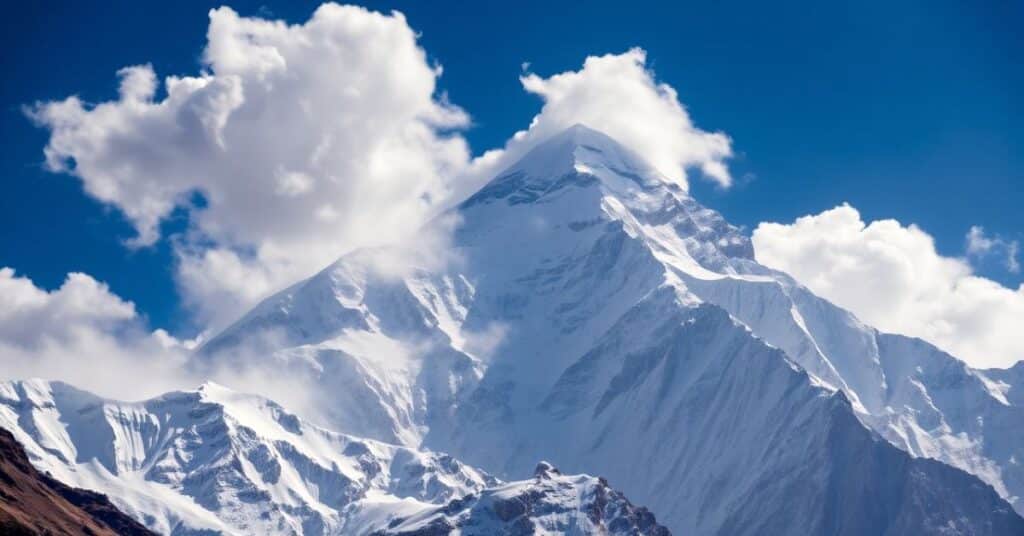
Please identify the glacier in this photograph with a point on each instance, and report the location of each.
(594, 314)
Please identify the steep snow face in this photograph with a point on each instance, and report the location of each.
(581, 273)
(919, 398)
(387, 369)
(216, 460)
(725, 435)
(548, 504)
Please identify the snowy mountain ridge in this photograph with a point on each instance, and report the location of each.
(216, 461)
(560, 335)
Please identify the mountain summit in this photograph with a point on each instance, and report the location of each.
(584, 150)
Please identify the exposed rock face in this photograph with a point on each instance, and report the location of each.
(32, 503)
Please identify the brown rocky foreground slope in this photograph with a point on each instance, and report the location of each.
(33, 503)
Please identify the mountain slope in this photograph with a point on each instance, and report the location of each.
(741, 435)
(212, 459)
(597, 316)
(919, 398)
(215, 461)
(33, 503)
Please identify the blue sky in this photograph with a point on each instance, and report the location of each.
(909, 112)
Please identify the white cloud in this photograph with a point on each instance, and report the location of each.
(891, 276)
(617, 94)
(980, 245)
(82, 333)
(305, 140)
(977, 242)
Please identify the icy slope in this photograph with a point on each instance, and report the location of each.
(919, 398)
(581, 259)
(216, 460)
(548, 504)
(726, 436)
(387, 372)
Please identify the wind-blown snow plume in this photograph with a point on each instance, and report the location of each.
(654, 124)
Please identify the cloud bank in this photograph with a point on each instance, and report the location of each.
(891, 276)
(82, 332)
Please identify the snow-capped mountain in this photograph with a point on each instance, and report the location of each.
(549, 503)
(220, 461)
(213, 461)
(594, 314)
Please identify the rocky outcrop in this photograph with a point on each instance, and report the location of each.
(549, 503)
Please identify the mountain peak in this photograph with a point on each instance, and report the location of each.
(581, 149)
(582, 134)
(578, 155)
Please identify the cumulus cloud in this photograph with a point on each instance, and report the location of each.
(305, 141)
(891, 276)
(83, 333)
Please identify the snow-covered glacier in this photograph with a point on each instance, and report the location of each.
(592, 313)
